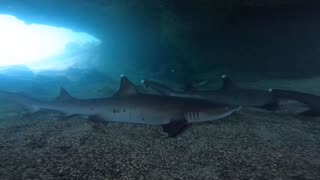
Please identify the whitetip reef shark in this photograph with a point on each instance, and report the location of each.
(230, 93)
(130, 106)
(312, 101)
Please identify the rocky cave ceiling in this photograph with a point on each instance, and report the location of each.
(200, 25)
(98, 15)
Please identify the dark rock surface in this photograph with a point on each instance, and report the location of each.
(202, 35)
(248, 145)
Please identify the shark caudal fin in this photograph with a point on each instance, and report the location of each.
(228, 83)
(127, 88)
(160, 88)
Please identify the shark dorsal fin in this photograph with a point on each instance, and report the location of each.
(127, 88)
(64, 95)
(228, 83)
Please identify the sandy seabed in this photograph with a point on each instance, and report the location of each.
(249, 144)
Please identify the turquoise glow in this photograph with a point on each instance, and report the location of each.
(33, 44)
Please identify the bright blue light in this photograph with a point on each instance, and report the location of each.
(33, 44)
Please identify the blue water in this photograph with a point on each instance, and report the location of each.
(261, 44)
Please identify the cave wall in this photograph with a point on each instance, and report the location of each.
(191, 37)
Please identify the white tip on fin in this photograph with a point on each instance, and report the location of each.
(142, 81)
(223, 76)
(122, 75)
(270, 90)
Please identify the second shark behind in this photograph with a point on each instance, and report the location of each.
(312, 101)
(230, 93)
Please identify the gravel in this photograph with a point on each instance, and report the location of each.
(250, 144)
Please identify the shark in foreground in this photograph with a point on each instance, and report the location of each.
(130, 106)
(230, 93)
(312, 101)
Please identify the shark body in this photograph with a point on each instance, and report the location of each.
(130, 106)
(230, 93)
(312, 101)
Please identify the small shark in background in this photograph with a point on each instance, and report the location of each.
(230, 93)
(312, 101)
(130, 106)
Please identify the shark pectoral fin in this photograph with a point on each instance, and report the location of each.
(174, 127)
(309, 113)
